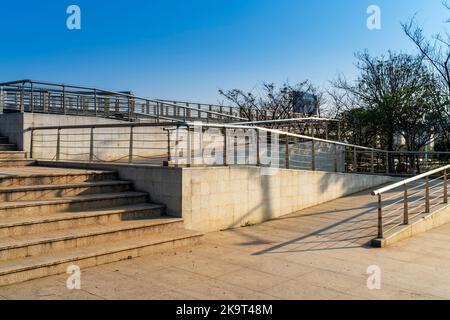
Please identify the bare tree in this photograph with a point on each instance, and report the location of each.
(436, 50)
(401, 94)
(274, 102)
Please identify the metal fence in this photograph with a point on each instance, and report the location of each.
(46, 97)
(194, 144)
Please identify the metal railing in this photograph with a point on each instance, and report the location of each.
(47, 97)
(418, 196)
(194, 144)
(328, 129)
(231, 110)
(201, 144)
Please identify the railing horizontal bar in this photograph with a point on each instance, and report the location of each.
(407, 181)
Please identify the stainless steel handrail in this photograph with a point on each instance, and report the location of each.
(408, 181)
(405, 208)
(117, 94)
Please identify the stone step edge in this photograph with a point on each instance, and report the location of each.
(83, 233)
(65, 216)
(40, 187)
(54, 175)
(69, 200)
(19, 265)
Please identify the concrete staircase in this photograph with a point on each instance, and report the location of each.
(10, 157)
(51, 218)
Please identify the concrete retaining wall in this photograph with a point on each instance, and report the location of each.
(111, 144)
(218, 198)
(229, 197)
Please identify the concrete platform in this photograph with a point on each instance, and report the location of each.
(318, 253)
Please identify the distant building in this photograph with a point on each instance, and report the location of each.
(305, 103)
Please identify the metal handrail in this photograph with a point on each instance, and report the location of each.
(288, 120)
(406, 204)
(117, 94)
(408, 181)
(209, 125)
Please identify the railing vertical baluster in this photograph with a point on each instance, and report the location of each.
(405, 205)
(372, 162)
(380, 217)
(355, 160)
(387, 163)
(64, 100)
(95, 102)
(31, 143)
(22, 102)
(336, 165)
(225, 147)
(313, 156)
(130, 149)
(169, 154)
(427, 194)
(445, 186)
(258, 156)
(58, 144)
(177, 142)
(286, 153)
(31, 98)
(188, 147)
(91, 146)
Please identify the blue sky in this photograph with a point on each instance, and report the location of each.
(189, 49)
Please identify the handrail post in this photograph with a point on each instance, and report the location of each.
(169, 154)
(130, 151)
(91, 146)
(225, 147)
(336, 169)
(445, 186)
(31, 98)
(313, 156)
(22, 102)
(355, 160)
(427, 194)
(95, 102)
(286, 153)
(31, 143)
(405, 206)
(387, 162)
(380, 217)
(189, 151)
(64, 100)
(258, 156)
(372, 162)
(58, 144)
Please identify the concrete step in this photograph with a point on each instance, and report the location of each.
(14, 155)
(8, 147)
(24, 269)
(69, 204)
(16, 163)
(19, 226)
(21, 178)
(54, 241)
(53, 191)
(4, 140)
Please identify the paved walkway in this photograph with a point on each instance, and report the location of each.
(318, 253)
